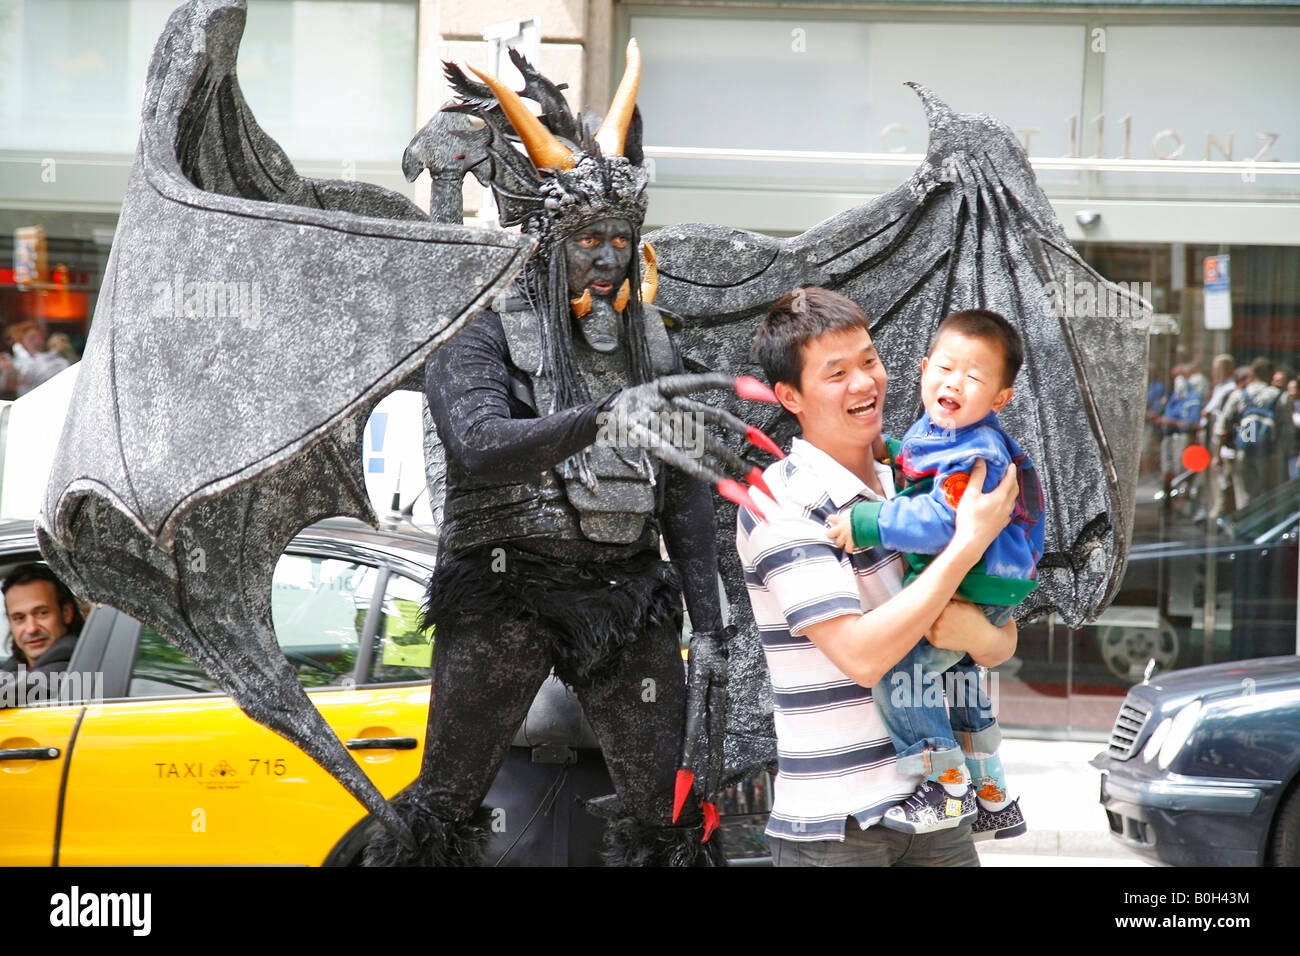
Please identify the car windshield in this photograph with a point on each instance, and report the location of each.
(1266, 516)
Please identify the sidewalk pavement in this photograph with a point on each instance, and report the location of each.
(1059, 797)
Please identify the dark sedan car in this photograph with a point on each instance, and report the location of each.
(1203, 766)
(1246, 562)
(1190, 596)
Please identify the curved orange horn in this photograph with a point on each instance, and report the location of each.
(650, 274)
(544, 149)
(612, 135)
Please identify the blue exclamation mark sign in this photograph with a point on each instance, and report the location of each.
(378, 424)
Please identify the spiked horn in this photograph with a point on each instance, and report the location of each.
(612, 134)
(649, 273)
(544, 149)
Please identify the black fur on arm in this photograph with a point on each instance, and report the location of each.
(688, 529)
(687, 522)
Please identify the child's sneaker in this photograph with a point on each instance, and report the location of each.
(999, 824)
(930, 809)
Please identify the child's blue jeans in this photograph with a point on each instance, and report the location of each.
(911, 703)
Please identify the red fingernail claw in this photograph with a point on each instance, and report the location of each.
(711, 820)
(681, 790)
(737, 494)
(759, 439)
(751, 388)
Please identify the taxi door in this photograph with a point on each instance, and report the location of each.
(35, 744)
(195, 781)
(177, 774)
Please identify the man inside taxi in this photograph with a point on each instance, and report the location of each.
(44, 620)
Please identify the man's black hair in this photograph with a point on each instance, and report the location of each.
(991, 327)
(797, 318)
(1262, 369)
(31, 573)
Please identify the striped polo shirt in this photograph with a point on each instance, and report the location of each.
(834, 754)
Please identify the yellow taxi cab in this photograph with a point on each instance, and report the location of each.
(139, 759)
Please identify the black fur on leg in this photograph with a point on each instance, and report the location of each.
(591, 609)
(630, 842)
(439, 842)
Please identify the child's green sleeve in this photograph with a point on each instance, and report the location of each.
(864, 520)
(864, 517)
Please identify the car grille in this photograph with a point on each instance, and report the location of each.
(1129, 722)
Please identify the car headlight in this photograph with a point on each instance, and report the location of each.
(1179, 730)
(1157, 738)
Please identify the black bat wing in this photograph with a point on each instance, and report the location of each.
(249, 320)
(971, 228)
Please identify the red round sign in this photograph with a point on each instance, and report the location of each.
(1196, 458)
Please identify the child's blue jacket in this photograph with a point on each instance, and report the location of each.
(935, 464)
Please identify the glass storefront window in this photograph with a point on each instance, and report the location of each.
(1111, 111)
(333, 81)
(837, 85)
(77, 247)
(1209, 579)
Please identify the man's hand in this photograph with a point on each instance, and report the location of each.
(982, 515)
(865, 646)
(963, 627)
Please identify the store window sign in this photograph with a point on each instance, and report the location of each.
(31, 264)
(1166, 144)
(1218, 93)
(1218, 298)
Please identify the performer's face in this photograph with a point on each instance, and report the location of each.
(598, 255)
(961, 380)
(841, 394)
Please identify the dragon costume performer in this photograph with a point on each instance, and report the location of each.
(552, 521)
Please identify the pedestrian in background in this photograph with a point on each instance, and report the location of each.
(1257, 420)
(33, 361)
(1293, 395)
(1219, 480)
(1178, 421)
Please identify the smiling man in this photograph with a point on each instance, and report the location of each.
(44, 619)
(834, 623)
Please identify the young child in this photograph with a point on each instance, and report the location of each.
(965, 380)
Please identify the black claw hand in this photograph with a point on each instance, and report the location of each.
(657, 417)
(706, 707)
